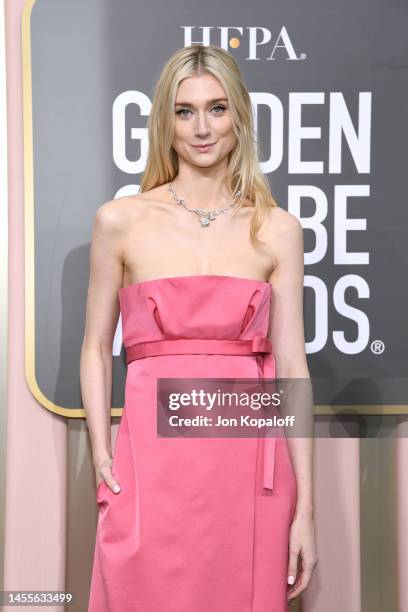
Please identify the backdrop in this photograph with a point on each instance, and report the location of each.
(329, 97)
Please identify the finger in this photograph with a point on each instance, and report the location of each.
(302, 584)
(293, 566)
(113, 484)
(293, 591)
(296, 589)
(110, 480)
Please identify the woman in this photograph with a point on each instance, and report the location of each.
(196, 524)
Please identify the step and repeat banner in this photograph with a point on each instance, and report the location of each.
(328, 86)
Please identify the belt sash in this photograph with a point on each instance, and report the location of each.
(214, 346)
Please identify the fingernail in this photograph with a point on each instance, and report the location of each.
(116, 488)
(291, 580)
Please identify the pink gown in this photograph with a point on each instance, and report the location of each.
(200, 524)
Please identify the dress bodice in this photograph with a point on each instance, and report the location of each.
(199, 306)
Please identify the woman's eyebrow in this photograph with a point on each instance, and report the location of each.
(208, 102)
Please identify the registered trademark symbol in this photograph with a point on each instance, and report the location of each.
(377, 347)
(303, 56)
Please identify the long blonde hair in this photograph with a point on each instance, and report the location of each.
(243, 172)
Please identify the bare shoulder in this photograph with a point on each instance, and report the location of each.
(283, 226)
(114, 216)
(283, 234)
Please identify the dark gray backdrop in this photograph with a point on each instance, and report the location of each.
(86, 54)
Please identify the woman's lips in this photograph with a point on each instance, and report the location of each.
(203, 147)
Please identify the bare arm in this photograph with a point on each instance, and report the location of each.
(288, 342)
(102, 312)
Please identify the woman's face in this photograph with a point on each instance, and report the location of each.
(202, 116)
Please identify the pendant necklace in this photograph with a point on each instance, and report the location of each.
(205, 216)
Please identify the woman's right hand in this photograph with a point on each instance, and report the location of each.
(103, 471)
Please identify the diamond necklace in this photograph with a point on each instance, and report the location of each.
(205, 215)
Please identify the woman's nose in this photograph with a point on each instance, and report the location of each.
(201, 124)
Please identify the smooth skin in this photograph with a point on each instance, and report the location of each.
(136, 238)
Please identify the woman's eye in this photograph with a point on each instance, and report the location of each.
(186, 110)
(182, 110)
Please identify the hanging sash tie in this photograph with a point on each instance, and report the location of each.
(214, 346)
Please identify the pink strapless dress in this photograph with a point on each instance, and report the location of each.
(200, 524)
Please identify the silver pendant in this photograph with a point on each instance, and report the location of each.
(205, 219)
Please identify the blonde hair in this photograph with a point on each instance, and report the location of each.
(243, 172)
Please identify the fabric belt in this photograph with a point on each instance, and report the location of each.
(214, 346)
(193, 346)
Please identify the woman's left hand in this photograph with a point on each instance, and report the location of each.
(301, 544)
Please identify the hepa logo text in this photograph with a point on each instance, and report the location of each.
(257, 38)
